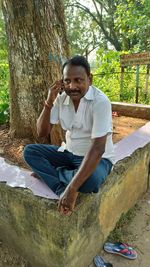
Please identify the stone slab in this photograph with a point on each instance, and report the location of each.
(132, 110)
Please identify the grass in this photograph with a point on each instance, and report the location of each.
(119, 234)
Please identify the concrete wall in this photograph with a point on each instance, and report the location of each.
(33, 226)
(132, 110)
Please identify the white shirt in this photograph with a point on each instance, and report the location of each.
(92, 119)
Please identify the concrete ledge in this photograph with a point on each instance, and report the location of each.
(132, 110)
(128, 181)
(38, 232)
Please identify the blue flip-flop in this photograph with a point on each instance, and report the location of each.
(121, 249)
(99, 262)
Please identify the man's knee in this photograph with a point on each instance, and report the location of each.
(96, 180)
(91, 185)
(28, 150)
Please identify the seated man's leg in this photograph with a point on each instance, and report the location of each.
(94, 182)
(66, 174)
(44, 159)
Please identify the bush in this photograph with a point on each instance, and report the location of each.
(107, 77)
(4, 95)
(4, 74)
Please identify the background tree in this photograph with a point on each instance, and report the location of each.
(122, 24)
(133, 24)
(35, 30)
(82, 31)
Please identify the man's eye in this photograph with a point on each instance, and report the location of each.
(66, 82)
(79, 80)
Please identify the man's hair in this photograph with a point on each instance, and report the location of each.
(78, 61)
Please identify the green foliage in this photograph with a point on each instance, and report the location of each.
(107, 77)
(4, 75)
(120, 232)
(83, 32)
(123, 24)
(132, 20)
(4, 97)
(107, 63)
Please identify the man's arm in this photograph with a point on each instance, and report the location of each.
(89, 163)
(44, 126)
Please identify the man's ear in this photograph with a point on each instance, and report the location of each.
(91, 78)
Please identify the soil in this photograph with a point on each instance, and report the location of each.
(137, 234)
(138, 231)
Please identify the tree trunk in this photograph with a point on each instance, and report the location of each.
(37, 43)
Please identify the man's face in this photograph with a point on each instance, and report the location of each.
(76, 81)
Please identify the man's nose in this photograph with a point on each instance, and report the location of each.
(72, 85)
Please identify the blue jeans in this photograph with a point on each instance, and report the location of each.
(58, 168)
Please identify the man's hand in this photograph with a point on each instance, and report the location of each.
(67, 201)
(54, 89)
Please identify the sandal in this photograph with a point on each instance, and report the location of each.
(99, 262)
(121, 249)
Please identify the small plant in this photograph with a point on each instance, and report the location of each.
(120, 232)
(4, 96)
(4, 74)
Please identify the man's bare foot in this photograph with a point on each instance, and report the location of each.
(35, 175)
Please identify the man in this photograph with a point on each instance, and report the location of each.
(84, 112)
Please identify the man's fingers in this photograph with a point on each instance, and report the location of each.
(59, 205)
(56, 85)
(63, 208)
(65, 211)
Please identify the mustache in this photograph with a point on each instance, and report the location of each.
(73, 91)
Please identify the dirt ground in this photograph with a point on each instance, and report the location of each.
(137, 234)
(138, 231)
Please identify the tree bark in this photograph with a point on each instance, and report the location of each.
(37, 42)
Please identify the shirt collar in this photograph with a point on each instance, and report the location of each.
(89, 96)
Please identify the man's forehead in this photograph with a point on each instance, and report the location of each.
(71, 70)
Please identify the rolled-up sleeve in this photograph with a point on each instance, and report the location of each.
(102, 118)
